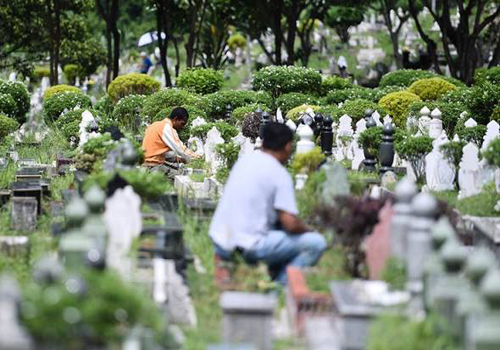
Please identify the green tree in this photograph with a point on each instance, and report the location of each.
(108, 11)
(341, 18)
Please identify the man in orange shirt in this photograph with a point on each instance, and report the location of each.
(163, 150)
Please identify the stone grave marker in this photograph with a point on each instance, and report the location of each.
(213, 139)
(376, 116)
(357, 150)
(378, 245)
(469, 174)
(28, 189)
(469, 123)
(344, 138)
(424, 121)
(439, 172)
(305, 144)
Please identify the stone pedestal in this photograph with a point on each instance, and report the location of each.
(24, 213)
(248, 318)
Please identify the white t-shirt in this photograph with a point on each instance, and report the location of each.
(257, 187)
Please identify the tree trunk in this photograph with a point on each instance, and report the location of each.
(293, 16)
(189, 46)
(57, 41)
(177, 57)
(161, 13)
(116, 38)
(277, 9)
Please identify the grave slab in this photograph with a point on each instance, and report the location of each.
(24, 214)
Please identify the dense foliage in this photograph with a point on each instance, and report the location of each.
(335, 83)
(7, 126)
(414, 149)
(397, 105)
(370, 140)
(431, 88)
(20, 95)
(356, 109)
(169, 98)
(132, 84)
(287, 102)
(58, 89)
(216, 103)
(7, 105)
(307, 163)
(127, 112)
(200, 80)
(55, 105)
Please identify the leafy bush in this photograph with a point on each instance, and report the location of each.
(404, 77)
(127, 110)
(330, 110)
(19, 93)
(86, 54)
(340, 96)
(473, 134)
(216, 103)
(335, 83)
(491, 75)
(94, 152)
(193, 114)
(170, 98)
(251, 125)
(227, 131)
(7, 105)
(394, 273)
(450, 112)
(56, 104)
(51, 91)
(492, 153)
(200, 80)
(229, 153)
(431, 88)
(482, 101)
(295, 113)
(104, 105)
(370, 140)
(236, 41)
(41, 72)
(7, 126)
(132, 84)
(307, 163)
(456, 96)
(239, 114)
(453, 151)
(294, 99)
(278, 80)
(356, 109)
(414, 149)
(397, 104)
(71, 72)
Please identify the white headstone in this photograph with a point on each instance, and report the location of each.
(387, 119)
(123, 220)
(469, 177)
(439, 172)
(470, 123)
(213, 139)
(291, 125)
(195, 144)
(424, 120)
(492, 132)
(436, 124)
(376, 117)
(279, 116)
(456, 138)
(198, 121)
(305, 144)
(87, 118)
(344, 138)
(12, 76)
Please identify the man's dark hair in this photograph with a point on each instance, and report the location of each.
(276, 136)
(179, 112)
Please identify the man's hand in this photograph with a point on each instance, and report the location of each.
(291, 223)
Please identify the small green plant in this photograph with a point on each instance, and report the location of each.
(55, 105)
(335, 83)
(404, 77)
(295, 113)
(56, 89)
(71, 72)
(481, 101)
(20, 95)
(356, 109)
(287, 102)
(235, 41)
(431, 88)
(453, 151)
(7, 105)
(492, 153)
(229, 153)
(104, 105)
(370, 140)
(414, 149)
(132, 84)
(127, 111)
(394, 273)
(307, 163)
(41, 72)
(7, 126)
(278, 80)
(239, 114)
(200, 80)
(397, 105)
(473, 134)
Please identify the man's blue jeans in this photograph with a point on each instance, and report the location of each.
(279, 249)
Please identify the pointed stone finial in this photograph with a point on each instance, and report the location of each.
(478, 264)
(95, 198)
(424, 205)
(405, 190)
(425, 111)
(453, 255)
(76, 212)
(436, 113)
(441, 232)
(490, 288)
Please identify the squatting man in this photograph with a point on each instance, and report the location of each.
(257, 215)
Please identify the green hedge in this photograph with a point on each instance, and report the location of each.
(19, 93)
(374, 95)
(226, 130)
(294, 99)
(239, 114)
(132, 84)
(51, 91)
(127, 110)
(404, 77)
(56, 104)
(200, 80)
(356, 109)
(71, 72)
(397, 104)
(335, 83)
(216, 103)
(482, 101)
(491, 75)
(170, 98)
(7, 126)
(104, 105)
(431, 88)
(7, 105)
(294, 114)
(278, 80)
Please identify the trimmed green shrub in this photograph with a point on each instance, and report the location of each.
(473, 134)
(200, 80)
(104, 105)
(457, 96)
(170, 98)
(216, 103)
(71, 72)
(404, 77)
(450, 113)
(370, 140)
(56, 104)
(414, 149)
(127, 110)
(307, 163)
(356, 109)
(7, 105)
(132, 84)
(193, 112)
(335, 83)
(19, 93)
(235, 41)
(226, 130)
(41, 72)
(491, 75)
(240, 113)
(379, 92)
(482, 101)
(294, 99)
(228, 152)
(278, 80)
(60, 88)
(431, 88)
(7, 126)
(330, 110)
(295, 113)
(340, 96)
(397, 104)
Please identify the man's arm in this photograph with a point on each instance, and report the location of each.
(291, 223)
(172, 140)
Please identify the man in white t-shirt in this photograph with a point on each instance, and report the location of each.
(257, 214)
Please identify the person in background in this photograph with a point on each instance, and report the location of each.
(257, 215)
(146, 63)
(163, 150)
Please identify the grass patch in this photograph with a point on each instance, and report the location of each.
(481, 204)
(330, 267)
